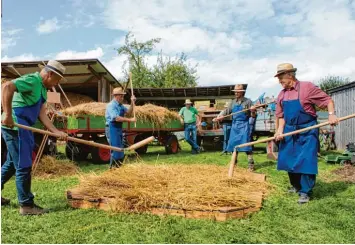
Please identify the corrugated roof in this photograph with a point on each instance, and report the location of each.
(342, 87)
(77, 71)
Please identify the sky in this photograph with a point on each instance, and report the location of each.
(230, 41)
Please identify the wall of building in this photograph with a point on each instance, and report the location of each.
(344, 105)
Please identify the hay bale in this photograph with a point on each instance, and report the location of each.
(75, 99)
(5, 80)
(49, 167)
(156, 115)
(139, 188)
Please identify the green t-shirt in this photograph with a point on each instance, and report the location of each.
(29, 92)
(189, 115)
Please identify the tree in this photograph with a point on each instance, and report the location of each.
(330, 82)
(169, 73)
(166, 73)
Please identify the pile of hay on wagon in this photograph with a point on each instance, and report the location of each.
(156, 115)
(141, 187)
(50, 167)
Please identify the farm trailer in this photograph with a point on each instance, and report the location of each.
(90, 127)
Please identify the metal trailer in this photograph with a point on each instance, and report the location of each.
(211, 136)
(93, 128)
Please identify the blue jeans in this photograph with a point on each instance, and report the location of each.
(13, 167)
(226, 134)
(304, 183)
(191, 135)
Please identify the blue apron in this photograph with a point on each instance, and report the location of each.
(298, 153)
(116, 139)
(27, 116)
(240, 131)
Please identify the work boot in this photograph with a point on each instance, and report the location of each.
(5, 201)
(304, 198)
(292, 190)
(32, 210)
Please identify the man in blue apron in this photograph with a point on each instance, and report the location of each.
(295, 110)
(227, 126)
(240, 132)
(23, 101)
(115, 116)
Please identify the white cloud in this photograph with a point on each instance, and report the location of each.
(48, 26)
(22, 57)
(243, 41)
(70, 54)
(9, 38)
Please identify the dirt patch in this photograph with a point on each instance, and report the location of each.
(346, 173)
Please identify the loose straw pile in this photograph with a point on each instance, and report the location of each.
(138, 188)
(49, 167)
(157, 115)
(75, 99)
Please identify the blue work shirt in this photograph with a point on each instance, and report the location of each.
(113, 110)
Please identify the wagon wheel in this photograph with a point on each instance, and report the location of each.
(100, 155)
(144, 148)
(76, 152)
(172, 145)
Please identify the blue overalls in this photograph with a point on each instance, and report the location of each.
(114, 133)
(298, 153)
(227, 126)
(240, 130)
(20, 145)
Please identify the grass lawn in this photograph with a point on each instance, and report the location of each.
(328, 218)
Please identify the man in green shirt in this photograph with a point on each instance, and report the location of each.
(190, 119)
(23, 101)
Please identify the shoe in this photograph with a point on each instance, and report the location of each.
(304, 198)
(5, 201)
(32, 210)
(292, 190)
(251, 168)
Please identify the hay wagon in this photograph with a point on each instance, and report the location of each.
(90, 127)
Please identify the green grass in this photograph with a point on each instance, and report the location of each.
(328, 218)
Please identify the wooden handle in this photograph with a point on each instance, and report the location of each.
(231, 164)
(134, 110)
(85, 142)
(295, 132)
(257, 106)
(141, 143)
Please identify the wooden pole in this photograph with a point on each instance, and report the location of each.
(230, 174)
(134, 110)
(257, 106)
(85, 142)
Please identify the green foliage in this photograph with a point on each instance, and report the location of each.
(330, 82)
(166, 73)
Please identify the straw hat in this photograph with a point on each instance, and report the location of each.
(284, 67)
(188, 101)
(238, 88)
(117, 91)
(55, 67)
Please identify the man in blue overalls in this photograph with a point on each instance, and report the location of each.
(295, 110)
(240, 132)
(227, 126)
(115, 116)
(23, 101)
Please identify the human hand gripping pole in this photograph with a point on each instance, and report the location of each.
(234, 155)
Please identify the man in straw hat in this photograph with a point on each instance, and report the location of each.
(240, 132)
(190, 119)
(23, 101)
(115, 116)
(295, 110)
